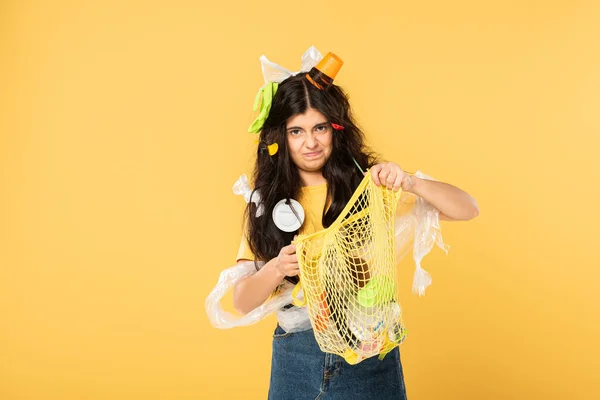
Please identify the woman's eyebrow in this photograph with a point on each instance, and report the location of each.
(299, 127)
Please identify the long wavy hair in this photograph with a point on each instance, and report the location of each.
(277, 177)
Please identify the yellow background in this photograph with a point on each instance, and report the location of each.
(123, 127)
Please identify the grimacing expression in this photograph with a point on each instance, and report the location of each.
(309, 140)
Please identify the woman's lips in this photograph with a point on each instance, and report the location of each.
(313, 154)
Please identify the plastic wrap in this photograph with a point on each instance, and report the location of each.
(291, 320)
(276, 73)
(422, 227)
(242, 188)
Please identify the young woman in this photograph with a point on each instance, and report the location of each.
(310, 149)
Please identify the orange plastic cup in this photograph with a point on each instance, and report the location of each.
(330, 65)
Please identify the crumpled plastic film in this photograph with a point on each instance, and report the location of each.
(276, 73)
(423, 225)
(242, 187)
(222, 319)
(294, 319)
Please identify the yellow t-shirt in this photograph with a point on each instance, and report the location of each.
(312, 199)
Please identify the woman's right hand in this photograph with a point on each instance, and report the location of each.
(287, 261)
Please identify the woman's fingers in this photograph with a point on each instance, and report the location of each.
(289, 249)
(391, 179)
(375, 173)
(384, 174)
(288, 260)
(389, 175)
(397, 183)
(291, 269)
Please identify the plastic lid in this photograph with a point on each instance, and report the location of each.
(284, 216)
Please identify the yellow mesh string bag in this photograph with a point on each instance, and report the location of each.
(348, 277)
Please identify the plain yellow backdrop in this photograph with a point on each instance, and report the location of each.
(123, 128)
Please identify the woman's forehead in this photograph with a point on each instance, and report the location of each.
(309, 119)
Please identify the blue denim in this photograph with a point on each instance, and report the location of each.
(300, 370)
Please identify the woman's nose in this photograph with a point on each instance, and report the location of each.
(311, 141)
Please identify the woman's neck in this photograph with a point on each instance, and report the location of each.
(312, 178)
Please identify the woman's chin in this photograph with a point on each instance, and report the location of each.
(313, 166)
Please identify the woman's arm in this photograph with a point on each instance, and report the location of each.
(252, 291)
(453, 203)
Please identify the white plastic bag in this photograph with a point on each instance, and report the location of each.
(291, 320)
(422, 225)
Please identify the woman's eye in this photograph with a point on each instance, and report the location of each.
(295, 132)
(321, 128)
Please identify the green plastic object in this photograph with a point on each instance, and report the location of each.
(267, 91)
(379, 290)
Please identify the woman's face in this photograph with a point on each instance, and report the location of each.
(309, 140)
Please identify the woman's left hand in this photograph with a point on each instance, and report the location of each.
(392, 176)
